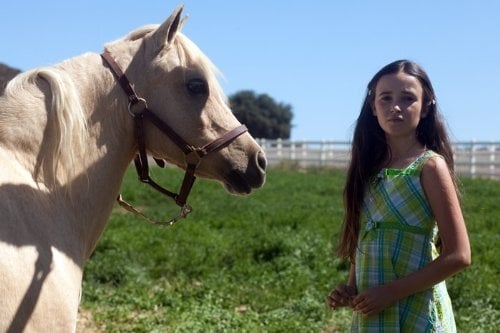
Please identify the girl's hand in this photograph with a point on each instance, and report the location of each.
(342, 295)
(373, 300)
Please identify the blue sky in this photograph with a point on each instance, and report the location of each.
(315, 55)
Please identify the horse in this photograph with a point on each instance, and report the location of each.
(69, 132)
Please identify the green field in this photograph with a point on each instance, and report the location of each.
(262, 263)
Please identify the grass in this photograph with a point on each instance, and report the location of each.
(261, 263)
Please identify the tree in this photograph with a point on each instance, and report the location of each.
(264, 117)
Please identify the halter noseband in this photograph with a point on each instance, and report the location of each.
(139, 111)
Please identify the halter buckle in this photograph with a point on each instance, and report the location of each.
(185, 210)
(193, 157)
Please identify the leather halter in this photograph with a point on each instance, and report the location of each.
(139, 111)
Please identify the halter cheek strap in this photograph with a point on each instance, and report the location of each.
(138, 109)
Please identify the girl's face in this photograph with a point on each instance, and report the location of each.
(398, 104)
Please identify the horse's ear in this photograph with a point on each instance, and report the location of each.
(167, 30)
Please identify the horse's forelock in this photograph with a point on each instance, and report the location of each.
(141, 32)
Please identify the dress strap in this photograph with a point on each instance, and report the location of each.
(420, 161)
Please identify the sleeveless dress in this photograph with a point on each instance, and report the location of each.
(398, 233)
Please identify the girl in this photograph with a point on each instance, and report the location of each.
(400, 191)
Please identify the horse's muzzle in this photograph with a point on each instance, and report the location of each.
(254, 177)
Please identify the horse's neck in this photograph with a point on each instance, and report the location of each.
(109, 151)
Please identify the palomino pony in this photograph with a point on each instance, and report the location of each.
(68, 134)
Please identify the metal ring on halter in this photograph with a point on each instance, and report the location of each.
(184, 211)
(134, 103)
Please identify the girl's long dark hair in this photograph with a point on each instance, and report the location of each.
(370, 151)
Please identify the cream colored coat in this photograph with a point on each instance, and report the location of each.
(66, 139)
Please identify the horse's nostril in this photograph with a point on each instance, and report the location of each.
(261, 160)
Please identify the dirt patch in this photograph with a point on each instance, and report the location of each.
(85, 322)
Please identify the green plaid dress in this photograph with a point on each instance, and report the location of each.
(397, 237)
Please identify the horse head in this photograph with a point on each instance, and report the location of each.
(179, 84)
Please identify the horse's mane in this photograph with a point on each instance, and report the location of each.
(66, 118)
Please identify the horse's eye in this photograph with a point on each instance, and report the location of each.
(197, 87)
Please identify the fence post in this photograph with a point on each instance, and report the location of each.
(279, 150)
(322, 153)
(492, 160)
(472, 168)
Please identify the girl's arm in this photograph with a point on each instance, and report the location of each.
(455, 252)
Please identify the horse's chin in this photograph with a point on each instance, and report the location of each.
(237, 190)
(237, 183)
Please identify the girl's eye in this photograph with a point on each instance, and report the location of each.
(197, 87)
(409, 98)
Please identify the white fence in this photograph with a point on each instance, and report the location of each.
(472, 159)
